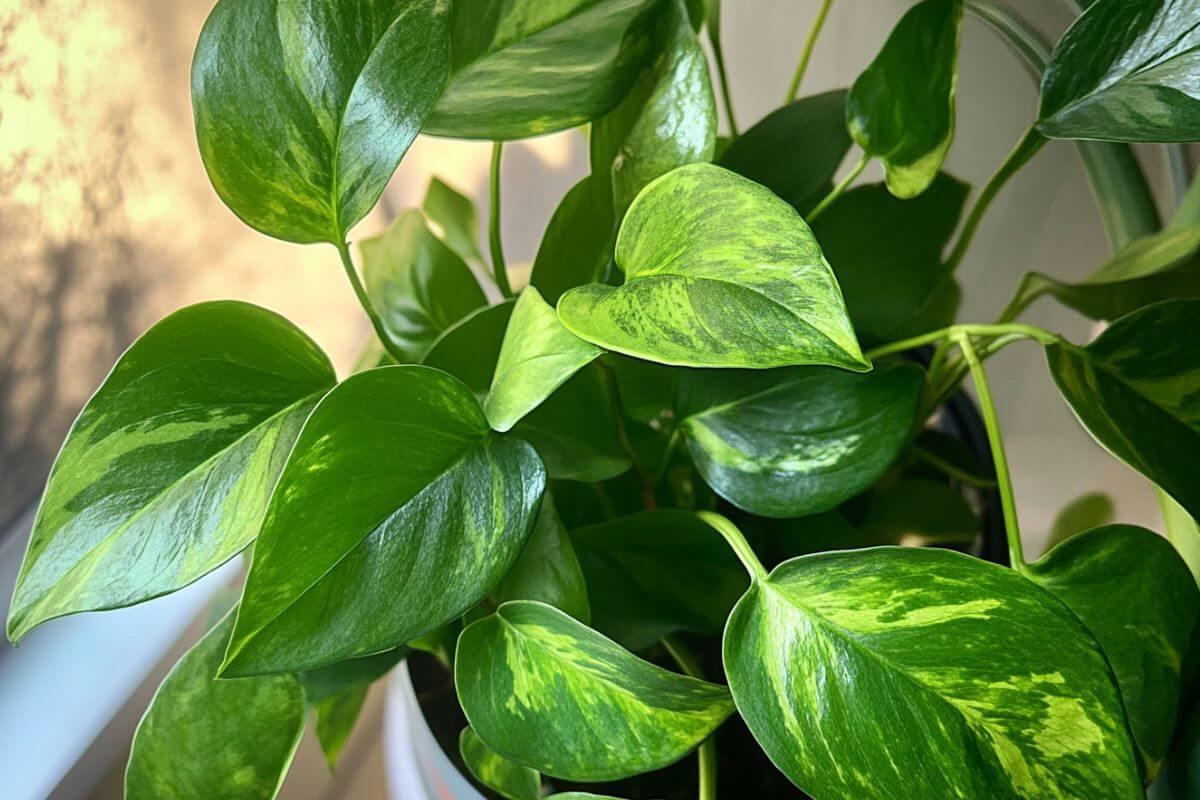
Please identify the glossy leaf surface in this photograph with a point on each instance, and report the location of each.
(537, 356)
(304, 109)
(787, 443)
(548, 569)
(911, 672)
(1136, 389)
(417, 284)
(507, 778)
(429, 488)
(577, 244)
(454, 213)
(901, 108)
(203, 737)
(719, 273)
(168, 469)
(1126, 71)
(529, 67)
(546, 691)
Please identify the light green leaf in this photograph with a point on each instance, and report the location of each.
(1090, 510)
(537, 356)
(529, 67)
(548, 569)
(335, 721)
(578, 241)
(507, 778)
(374, 534)
(454, 214)
(901, 108)
(544, 690)
(719, 273)
(1138, 598)
(417, 284)
(304, 109)
(1136, 390)
(168, 470)
(788, 443)
(1126, 71)
(203, 737)
(922, 673)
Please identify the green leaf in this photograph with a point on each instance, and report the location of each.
(335, 721)
(548, 569)
(578, 241)
(546, 691)
(507, 778)
(1085, 512)
(719, 273)
(470, 348)
(168, 469)
(901, 108)
(1180, 775)
(788, 443)
(417, 284)
(913, 672)
(1138, 598)
(454, 213)
(373, 536)
(1135, 390)
(1126, 71)
(537, 356)
(795, 151)
(928, 511)
(529, 67)
(304, 109)
(329, 681)
(655, 573)
(203, 737)
(887, 253)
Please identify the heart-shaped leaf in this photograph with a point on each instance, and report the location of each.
(203, 737)
(373, 535)
(788, 443)
(548, 570)
(168, 470)
(901, 108)
(795, 151)
(1138, 598)
(578, 241)
(507, 778)
(537, 356)
(417, 284)
(546, 691)
(1125, 71)
(912, 672)
(719, 273)
(304, 109)
(1136, 389)
(529, 67)
(454, 214)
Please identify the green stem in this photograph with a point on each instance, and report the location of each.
(714, 39)
(672, 443)
(499, 269)
(806, 54)
(1003, 479)
(737, 541)
(944, 466)
(614, 394)
(844, 184)
(365, 301)
(707, 753)
(970, 329)
(1026, 149)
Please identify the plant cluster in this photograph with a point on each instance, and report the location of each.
(700, 420)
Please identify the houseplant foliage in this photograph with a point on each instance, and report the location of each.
(697, 426)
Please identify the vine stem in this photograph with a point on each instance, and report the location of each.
(952, 332)
(737, 541)
(714, 39)
(806, 54)
(499, 269)
(838, 190)
(707, 753)
(950, 470)
(991, 422)
(365, 301)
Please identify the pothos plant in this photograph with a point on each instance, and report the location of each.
(714, 343)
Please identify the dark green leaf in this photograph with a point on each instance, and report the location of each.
(655, 573)
(1085, 512)
(788, 443)
(417, 284)
(544, 690)
(921, 673)
(1136, 389)
(1138, 598)
(647, 389)
(1126, 71)
(918, 511)
(303, 109)
(203, 737)
(507, 778)
(394, 487)
(901, 108)
(887, 253)
(325, 682)
(720, 273)
(168, 470)
(470, 348)
(548, 569)
(578, 241)
(335, 721)
(795, 151)
(1180, 776)
(528, 67)
(454, 213)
